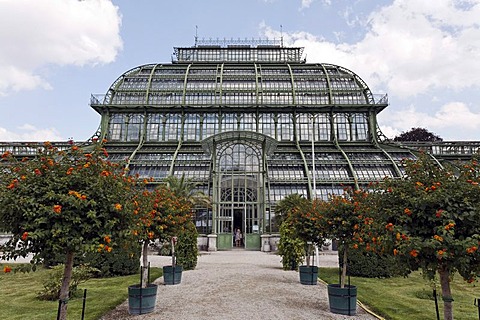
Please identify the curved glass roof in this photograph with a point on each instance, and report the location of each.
(274, 79)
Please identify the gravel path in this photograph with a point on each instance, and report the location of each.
(235, 285)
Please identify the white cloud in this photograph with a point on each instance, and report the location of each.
(409, 47)
(454, 119)
(412, 49)
(28, 132)
(306, 4)
(389, 131)
(421, 46)
(36, 34)
(457, 115)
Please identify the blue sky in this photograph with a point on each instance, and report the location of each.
(55, 53)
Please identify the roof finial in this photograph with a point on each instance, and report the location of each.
(196, 35)
(281, 35)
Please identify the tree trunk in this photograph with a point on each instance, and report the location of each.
(145, 264)
(344, 268)
(307, 255)
(65, 288)
(173, 254)
(446, 293)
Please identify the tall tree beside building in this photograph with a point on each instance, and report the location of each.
(418, 134)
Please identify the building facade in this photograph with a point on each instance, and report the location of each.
(250, 122)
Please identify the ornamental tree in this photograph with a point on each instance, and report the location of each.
(159, 215)
(433, 217)
(292, 246)
(306, 221)
(349, 218)
(65, 202)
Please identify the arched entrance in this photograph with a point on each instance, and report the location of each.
(239, 181)
(238, 186)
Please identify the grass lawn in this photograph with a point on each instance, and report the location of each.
(18, 296)
(410, 298)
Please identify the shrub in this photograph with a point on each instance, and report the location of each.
(290, 248)
(369, 264)
(124, 261)
(52, 285)
(187, 249)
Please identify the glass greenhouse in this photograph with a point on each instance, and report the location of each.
(250, 122)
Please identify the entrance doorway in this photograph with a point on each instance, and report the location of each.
(238, 223)
(238, 194)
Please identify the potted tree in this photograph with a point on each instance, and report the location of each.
(348, 218)
(184, 256)
(306, 221)
(432, 217)
(160, 215)
(290, 247)
(64, 202)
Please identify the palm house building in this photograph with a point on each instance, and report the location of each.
(250, 121)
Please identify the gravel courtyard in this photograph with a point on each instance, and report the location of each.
(239, 284)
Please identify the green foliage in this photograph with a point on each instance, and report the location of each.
(124, 261)
(370, 264)
(285, 206)
(163, 248)
(292, 244)
(432, 217)
(306, 223)
(52, 284)
(290, 248)
(417, 134)
(187, 189)
(160, 214)
(63, 201)
(349, 218)
(186, 249)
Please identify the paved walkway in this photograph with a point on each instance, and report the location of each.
(239, 284)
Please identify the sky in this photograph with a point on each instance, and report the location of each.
(54, 54)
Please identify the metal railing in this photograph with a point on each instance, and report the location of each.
(445, 148)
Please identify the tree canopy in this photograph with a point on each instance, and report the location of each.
(187, 188)
(417, 134)
(159, 214)
(349, 218)
(432, 217)
(65, 202)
